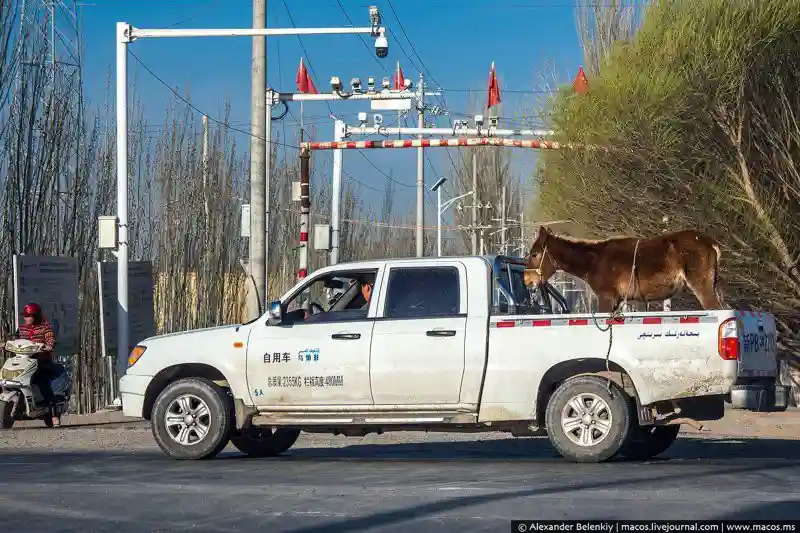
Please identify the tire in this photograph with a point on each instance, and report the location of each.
(204, 432)
(647, 442)
(264, 442)
(6, 415)
(601, 441)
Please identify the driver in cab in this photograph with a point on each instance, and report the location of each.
(353, 301)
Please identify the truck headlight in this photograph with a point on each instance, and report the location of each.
(135, 355)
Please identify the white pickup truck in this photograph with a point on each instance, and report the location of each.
(454, 344)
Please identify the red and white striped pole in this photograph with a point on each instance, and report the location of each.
(434, 143)
(305, 208)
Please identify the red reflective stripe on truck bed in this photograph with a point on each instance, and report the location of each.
(579, 322)
(506, 324)
(539, 323)
(651, 320)
(690, 320)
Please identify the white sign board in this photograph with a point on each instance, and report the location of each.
(322, 237)
(244, 230)
(391, 105)
(141, 308)
(51, 282)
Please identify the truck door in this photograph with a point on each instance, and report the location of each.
(417, 355)
(319, 354)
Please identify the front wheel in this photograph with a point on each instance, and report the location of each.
(6, 415)
(264, 442)
(585, 422)
(192, 419)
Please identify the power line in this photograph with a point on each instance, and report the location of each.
(433, 79)
(198, 110)
(513, 91)
(529, 5)
(413, 48)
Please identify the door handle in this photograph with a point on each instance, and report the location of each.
(346, 336)
(441, 333)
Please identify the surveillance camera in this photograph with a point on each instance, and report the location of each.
(407, 83)
(479, 120)
(362, 117)
(355, 83)
(377, 119)
(336, 83)
(493, 121)
(381, 46)
(374, 16)
(371, 84)
(385, 82)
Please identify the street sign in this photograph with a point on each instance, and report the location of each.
(141, 307)
(51, 282)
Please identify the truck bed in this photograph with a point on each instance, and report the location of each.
(668, 355)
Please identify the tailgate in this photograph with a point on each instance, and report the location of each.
(757, 338)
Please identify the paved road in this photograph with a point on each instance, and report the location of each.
(428, 486)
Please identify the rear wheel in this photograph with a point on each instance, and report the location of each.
(263, 441)
(192, 419)
(586, 423)
(648, 441)
(6, 415)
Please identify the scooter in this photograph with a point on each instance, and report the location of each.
(22, 400)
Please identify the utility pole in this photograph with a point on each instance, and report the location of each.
(420, 170)
(336, 192)
(305, 209)
(205, 167)
(258, 156)
(522, 232)
(123, 345)
(503, 222)
(521, 221)
(475, 205)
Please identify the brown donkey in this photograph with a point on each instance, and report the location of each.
(664, 265)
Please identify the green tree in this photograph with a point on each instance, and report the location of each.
(700, 116)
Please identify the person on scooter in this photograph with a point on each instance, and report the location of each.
(36, 329)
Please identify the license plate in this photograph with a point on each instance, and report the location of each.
(758, 342)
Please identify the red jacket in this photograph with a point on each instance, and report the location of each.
(39, 333)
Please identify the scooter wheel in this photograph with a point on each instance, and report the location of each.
(6, 415)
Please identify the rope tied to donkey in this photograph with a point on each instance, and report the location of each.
(617, 314)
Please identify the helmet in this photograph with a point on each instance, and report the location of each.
(32, 310)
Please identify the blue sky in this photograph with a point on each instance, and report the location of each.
(533, 44)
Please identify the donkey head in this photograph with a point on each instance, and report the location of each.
(541, 264)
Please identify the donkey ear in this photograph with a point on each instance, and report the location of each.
(543, 231)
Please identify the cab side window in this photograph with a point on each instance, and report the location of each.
(423, 292)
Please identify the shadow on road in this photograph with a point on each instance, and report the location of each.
(540, 448)
(509, 449)
(169, 483)
(786, 510)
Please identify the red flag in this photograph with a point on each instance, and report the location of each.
(581, 84)
(304, 83)
(399, 80)
(494, 89)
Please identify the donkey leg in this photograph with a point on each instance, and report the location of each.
(706, 292)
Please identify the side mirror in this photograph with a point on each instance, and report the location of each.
(275, 311)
